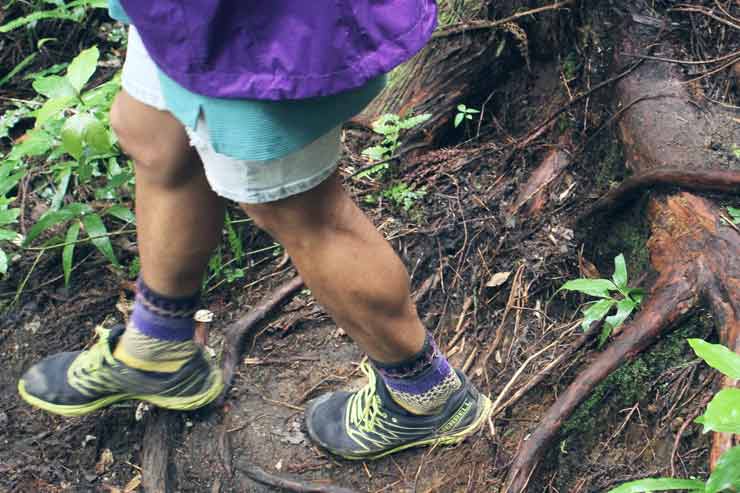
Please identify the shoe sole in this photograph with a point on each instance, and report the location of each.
(189, 403)
(446, 439)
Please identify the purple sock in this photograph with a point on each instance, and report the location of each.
(162, 317)
(423, 382)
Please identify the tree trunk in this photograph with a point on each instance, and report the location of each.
(467, 58)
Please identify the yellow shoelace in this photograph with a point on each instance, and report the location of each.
(92, 359)
(365, 405)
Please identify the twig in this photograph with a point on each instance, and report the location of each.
(539, 129)
(499, 331)
(284, 404)
(547, 369)
(684, 62)
(476, 25)
(689, 420)
(707, 12)
(261, 476)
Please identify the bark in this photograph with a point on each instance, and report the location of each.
(665, 137)
(461, 64)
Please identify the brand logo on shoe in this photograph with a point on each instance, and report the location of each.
(457, 417)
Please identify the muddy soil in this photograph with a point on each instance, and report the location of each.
(461, 233)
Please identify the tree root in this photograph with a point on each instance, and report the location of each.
(236, 333)
(261, 476)
(693, 252)
(691, 179)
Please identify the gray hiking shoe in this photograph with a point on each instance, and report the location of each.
(80, 382)
(368, 424)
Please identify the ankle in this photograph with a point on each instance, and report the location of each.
(423, 383)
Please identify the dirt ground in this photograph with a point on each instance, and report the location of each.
(455, 239)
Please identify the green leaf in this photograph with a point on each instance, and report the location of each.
(68, 252)
(594, 287)
(83, 67)
(84, 130)
(3, 262)
(659, 484)
(54, 86)
(723, 412)
(98, 235)
(52, 108)
(8, 235)
(718, 357)
(8, 181)
(595, 312)
(61, 191)
(734, 211)
(620, 271)
(472, 111)
(34, 17)
(458, 119)
(461, 108)
(53, 218)
(413, 121)
(18, 69)
(385, 124)
(376, 153)
(122, 213)
(96, 136)
(624, 308)
(726, 474)
(73, 135)
(9, 216)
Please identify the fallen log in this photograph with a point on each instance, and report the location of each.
(691, 249)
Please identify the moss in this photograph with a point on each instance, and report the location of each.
(634, 380)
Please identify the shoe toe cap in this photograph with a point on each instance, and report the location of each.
(325, 420)
(47, 379)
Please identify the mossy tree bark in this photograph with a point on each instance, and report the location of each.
(694, 252)
(462, 64)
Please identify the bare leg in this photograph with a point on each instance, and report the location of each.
(179, 218)
(349, 267)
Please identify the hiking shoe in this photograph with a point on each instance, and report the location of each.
(77, 383)
(368, 424)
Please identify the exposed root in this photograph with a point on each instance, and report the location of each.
(671, 301)
(161, 428)
(236, 333)
(261, 476)
(692, 179)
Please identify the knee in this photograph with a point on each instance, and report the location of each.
(155, 141)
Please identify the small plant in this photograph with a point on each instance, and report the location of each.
(75, 10)
(734, 213)
(71, 147)
(404, 196)
(721, 415)
(464, 113)
(390, 127)
(613, 293)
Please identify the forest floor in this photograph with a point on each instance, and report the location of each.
(490, 271)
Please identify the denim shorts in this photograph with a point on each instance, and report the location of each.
(249, 181)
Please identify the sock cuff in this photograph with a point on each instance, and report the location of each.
(413, 366)
(166, 306)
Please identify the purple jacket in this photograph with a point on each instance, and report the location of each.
(280, 49)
